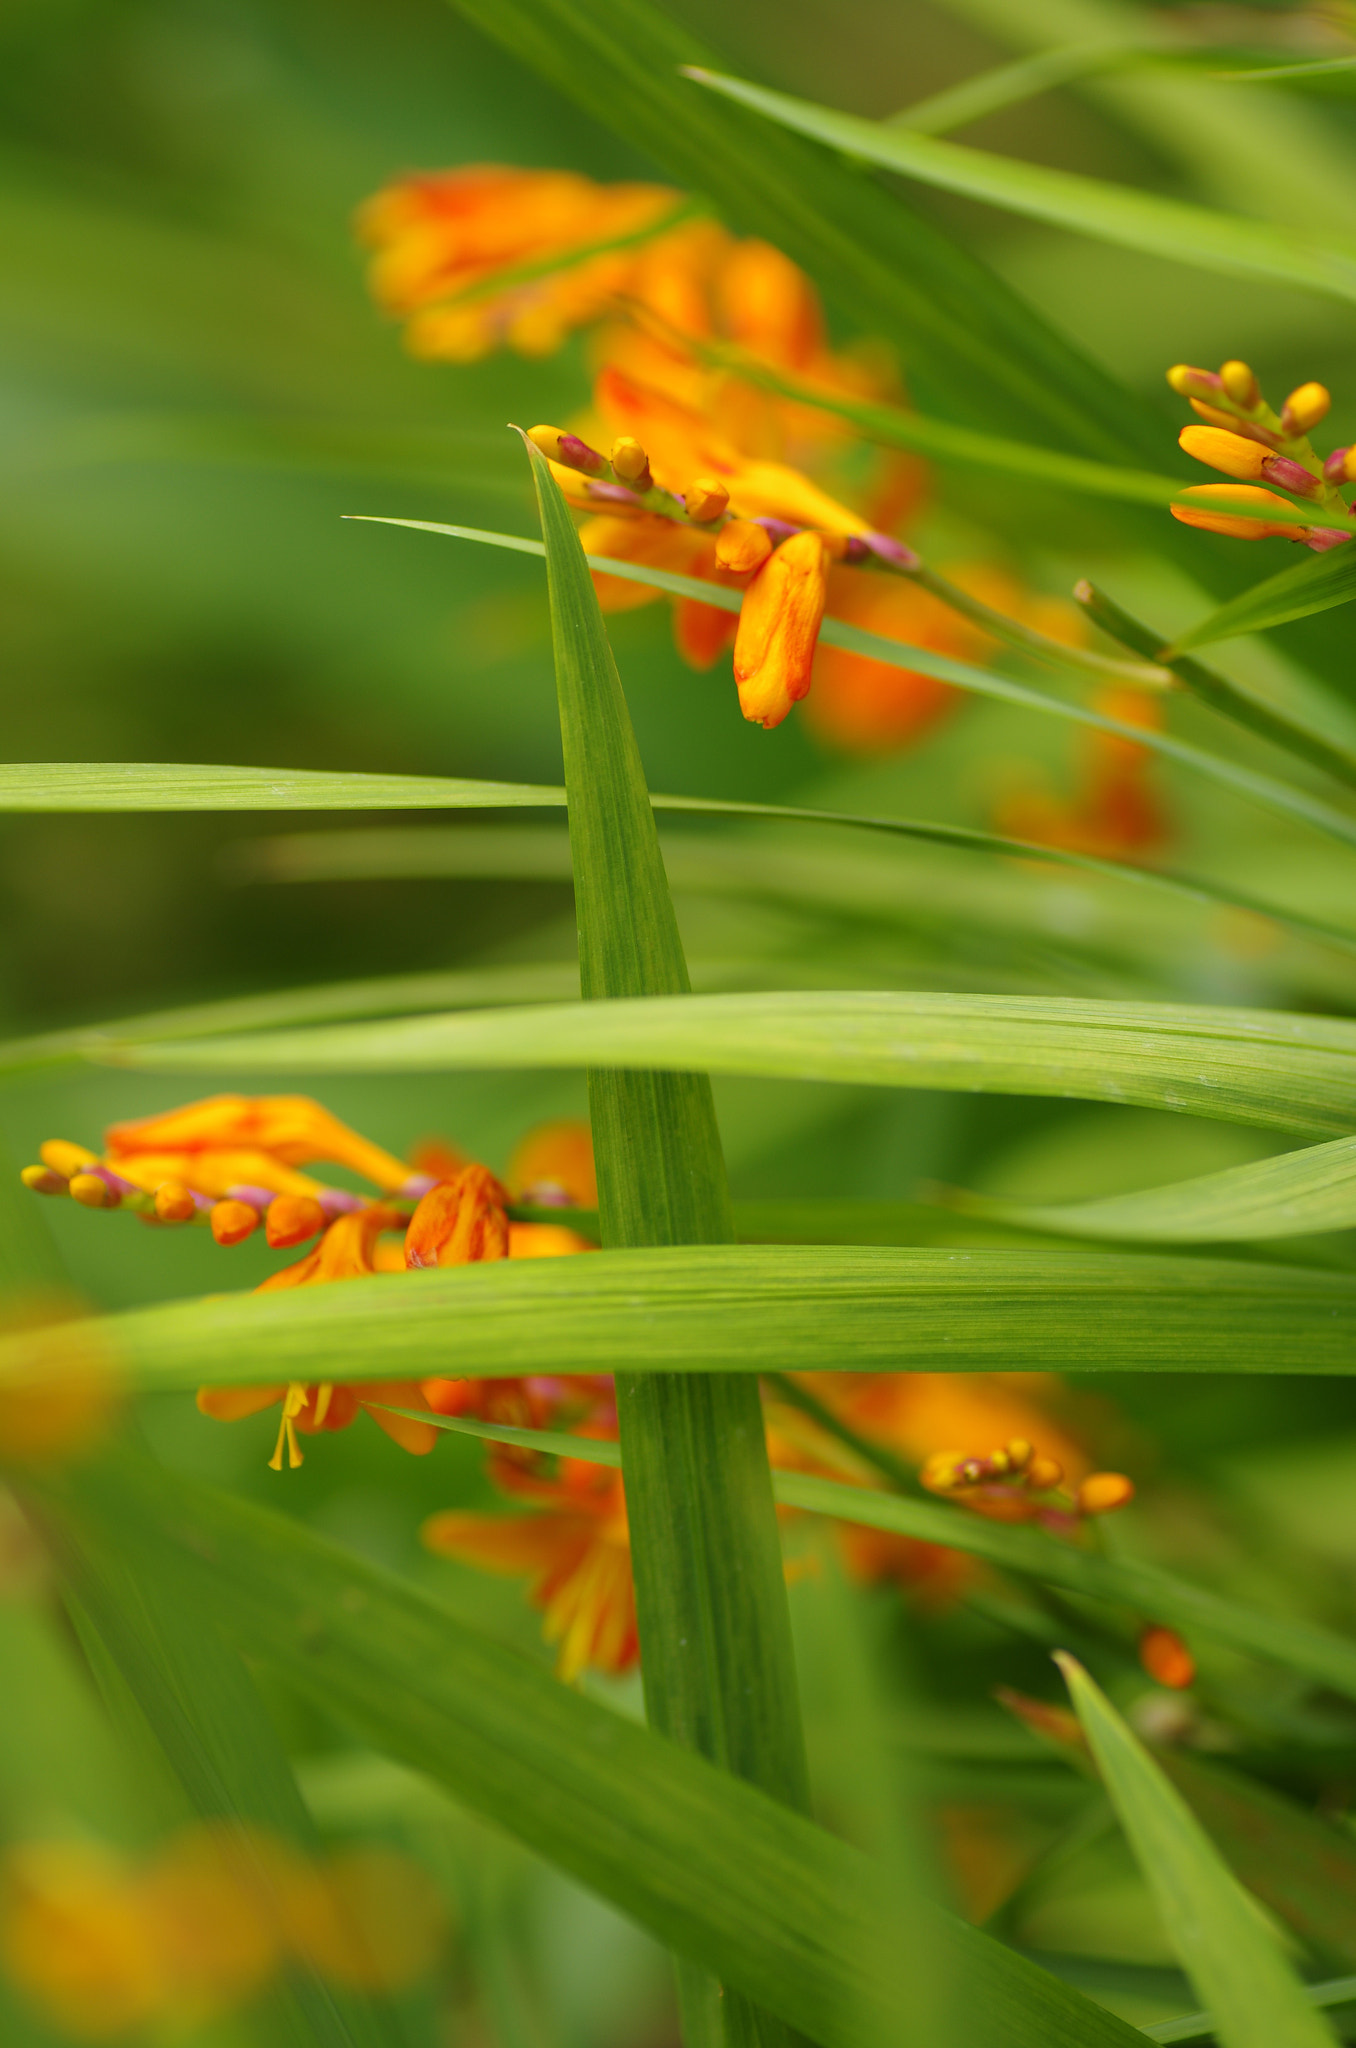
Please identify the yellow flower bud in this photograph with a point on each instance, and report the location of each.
(1233, 453)
(1240, 384)
(706, 500)
(1101, 1493)
(629, 460)
(548, 440)
(1043, 1473)
(1305, 407)
(63, 1157)
(1189, 382)
(1241, 514)
(939, 1472)
(91, 1192)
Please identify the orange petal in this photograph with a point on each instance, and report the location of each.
(546, 1241)
(556, 1159)
(778, 629)
(233, 1404)
(418, 1438)
(292, 1128)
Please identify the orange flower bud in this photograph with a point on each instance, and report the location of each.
(91, 1192)
(743, 546)
(1242, 513)
(1213, 416)
(1233, 453)
(778, 629)
(1043, 1473)
(174, 1202)
(233, 1222)
(1166, 1658)
(707, 499)
(1101, 1493)
(459, 1222)
(291, 1219)
(1240, 384)
(1305, 407)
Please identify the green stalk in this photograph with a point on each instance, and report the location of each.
(715, 1632)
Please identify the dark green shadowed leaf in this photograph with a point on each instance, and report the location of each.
(710, 1594)
(1272, 1068)
(1315, 585)
(1146, 221)
(964, 333)
(753, 1891)
(1225, 1947)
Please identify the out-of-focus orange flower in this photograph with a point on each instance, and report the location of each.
(1116, 811)
(77, 1940)
(553, 1166)
(576, 1548)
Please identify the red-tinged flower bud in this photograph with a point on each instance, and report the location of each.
(1291, 476)
(631, 463)
(1321, 538)
(233, 1222)
(1340, 467)
(92, 1192)
(1305, 407)
(778, 629)
(1166, 1658)
(706, 500)
(292, 1219)
(175, 1202)
(42, 1180)
(558, 445)
(742, 546)
(1189, 382)
(1232, 453)
(1240, 384)
(1101, 1493)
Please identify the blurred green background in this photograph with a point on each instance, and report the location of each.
(194, 388)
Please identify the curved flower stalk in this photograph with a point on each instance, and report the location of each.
(1243, 437)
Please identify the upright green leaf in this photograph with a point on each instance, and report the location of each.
(1225, 1947)
(1192, 235)
(715, 1633)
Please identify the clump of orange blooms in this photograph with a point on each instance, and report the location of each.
(714, 474)
(1246, 439)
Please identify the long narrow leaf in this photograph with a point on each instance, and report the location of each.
(1315, 585)
(1226, 1950)
(1273, 1069)
(711, 1607)
(732, 1308)
(1313, 1190)
(1193, 235)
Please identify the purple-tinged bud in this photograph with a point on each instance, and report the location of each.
(548, 1194)
(577, 454)
(1321, 538)
(1291, 476)
(257, 1197)
(1189, 382)
(416, 1187)
(114, 1182)
(892, 551)
(337, 1202)
(613, 494)
(1340, 467)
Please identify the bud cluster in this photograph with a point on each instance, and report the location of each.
(1018, 1484)
(1245, 438)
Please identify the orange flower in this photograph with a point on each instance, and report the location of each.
(577, 1551)
(1117, 811)
(778, 628)
(553, 1166)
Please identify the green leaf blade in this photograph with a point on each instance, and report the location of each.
(1255, 1999)
(1314, 586)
